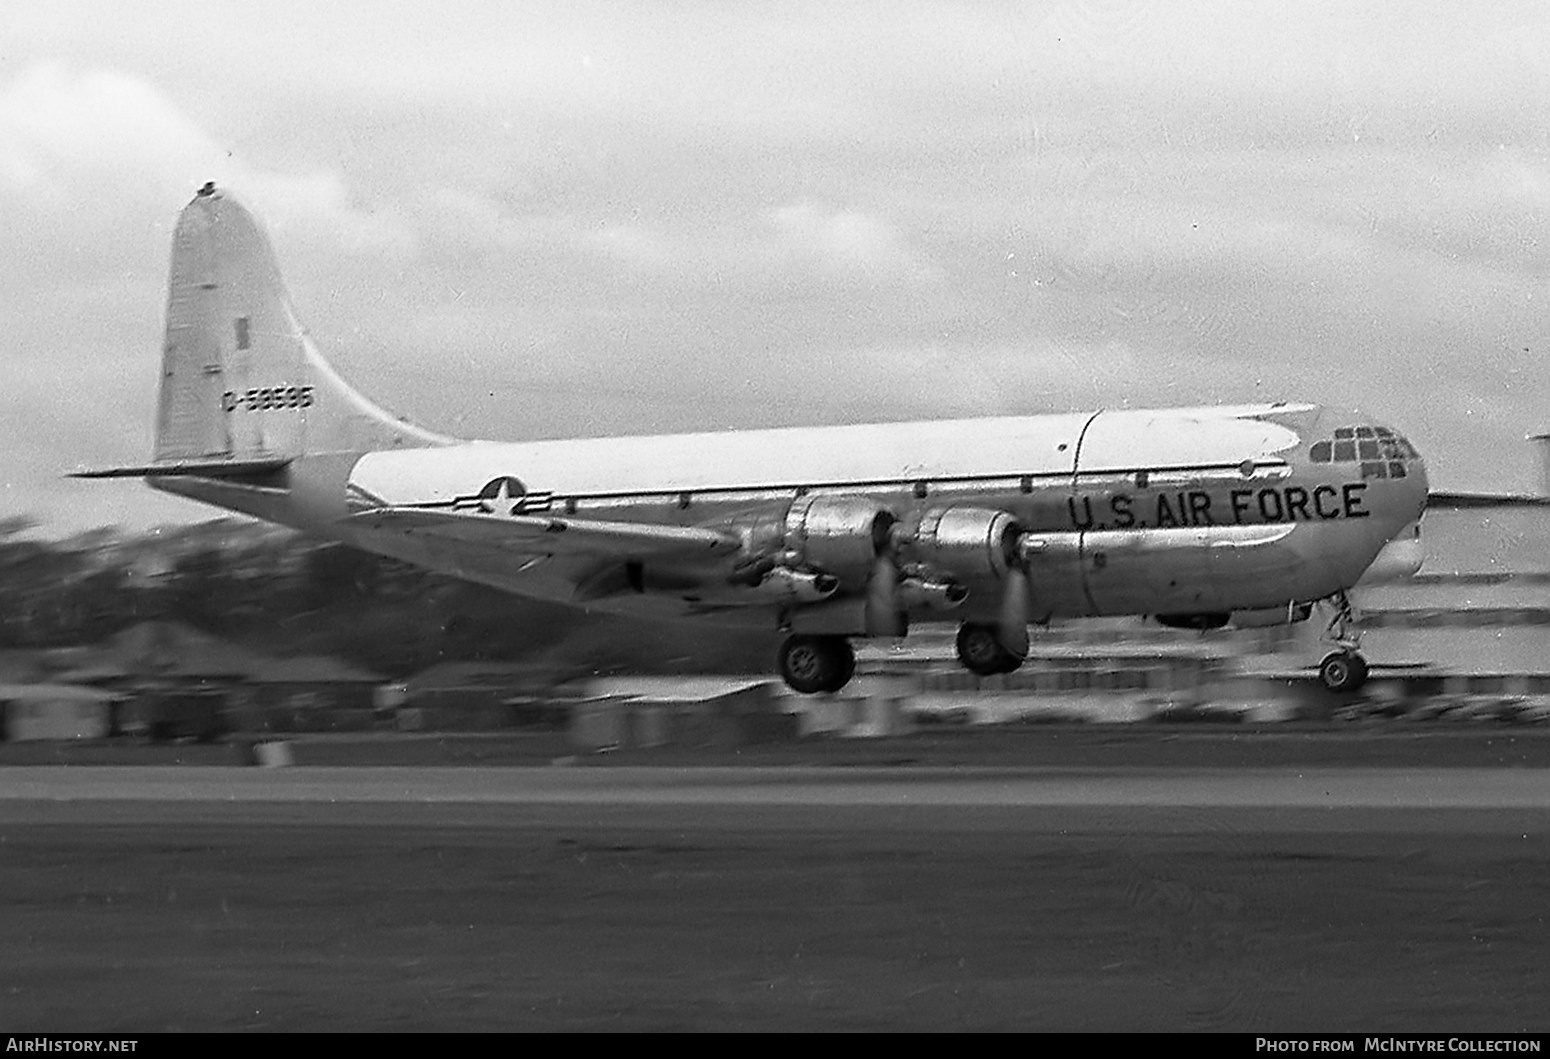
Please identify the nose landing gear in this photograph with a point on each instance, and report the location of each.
(1343, 669)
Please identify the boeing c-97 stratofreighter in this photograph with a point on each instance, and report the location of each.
(1199, 517)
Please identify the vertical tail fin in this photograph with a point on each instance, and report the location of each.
(241, 381)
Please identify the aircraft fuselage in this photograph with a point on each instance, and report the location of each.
(1168, 512)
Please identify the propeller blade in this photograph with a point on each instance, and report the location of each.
(1016, 604)
(884, 611)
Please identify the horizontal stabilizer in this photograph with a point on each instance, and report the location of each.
(192, 469)
(551, 535)
(1458, 500)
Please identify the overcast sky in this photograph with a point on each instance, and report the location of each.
(537, 220)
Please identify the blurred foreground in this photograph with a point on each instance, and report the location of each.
(236, 630)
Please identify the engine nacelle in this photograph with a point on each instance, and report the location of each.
(927, 593)
(840, 535)
(965, 543)
(796, 586)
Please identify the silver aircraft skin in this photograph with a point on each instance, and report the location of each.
(1195, 516)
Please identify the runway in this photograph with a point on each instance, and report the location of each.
(1325, 788)
(1276, 899)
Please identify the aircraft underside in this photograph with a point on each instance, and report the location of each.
(830, 569)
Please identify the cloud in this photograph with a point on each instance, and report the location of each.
(70, 137)
(774, 214)
(65, 135)
(845, 243)
(799, 246)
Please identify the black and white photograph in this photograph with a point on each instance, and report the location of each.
(766, 517)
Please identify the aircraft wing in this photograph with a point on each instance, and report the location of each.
(1446, 499)
(553, 536)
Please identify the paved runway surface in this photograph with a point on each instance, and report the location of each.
(1398, 899)
(1333, 788)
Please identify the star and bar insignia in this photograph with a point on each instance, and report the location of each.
(504, 496)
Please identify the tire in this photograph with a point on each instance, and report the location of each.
(846, 657)
(1343, 671)
(813, 664)
(981, 653)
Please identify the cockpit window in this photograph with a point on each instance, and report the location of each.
(1382, 452)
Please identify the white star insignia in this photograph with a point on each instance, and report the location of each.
(501, 502)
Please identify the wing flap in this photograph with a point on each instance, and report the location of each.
(551, 535)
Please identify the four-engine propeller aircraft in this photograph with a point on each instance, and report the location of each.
(1198, 516)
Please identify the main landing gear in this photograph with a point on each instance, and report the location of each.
(814, 664)
(1344, 669)
(810, 664)
(981, 652)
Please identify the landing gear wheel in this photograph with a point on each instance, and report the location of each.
(812, 664)
(1343, 671)
(847, 660)
(981, 653)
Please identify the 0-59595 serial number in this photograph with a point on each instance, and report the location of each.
(266, 398)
